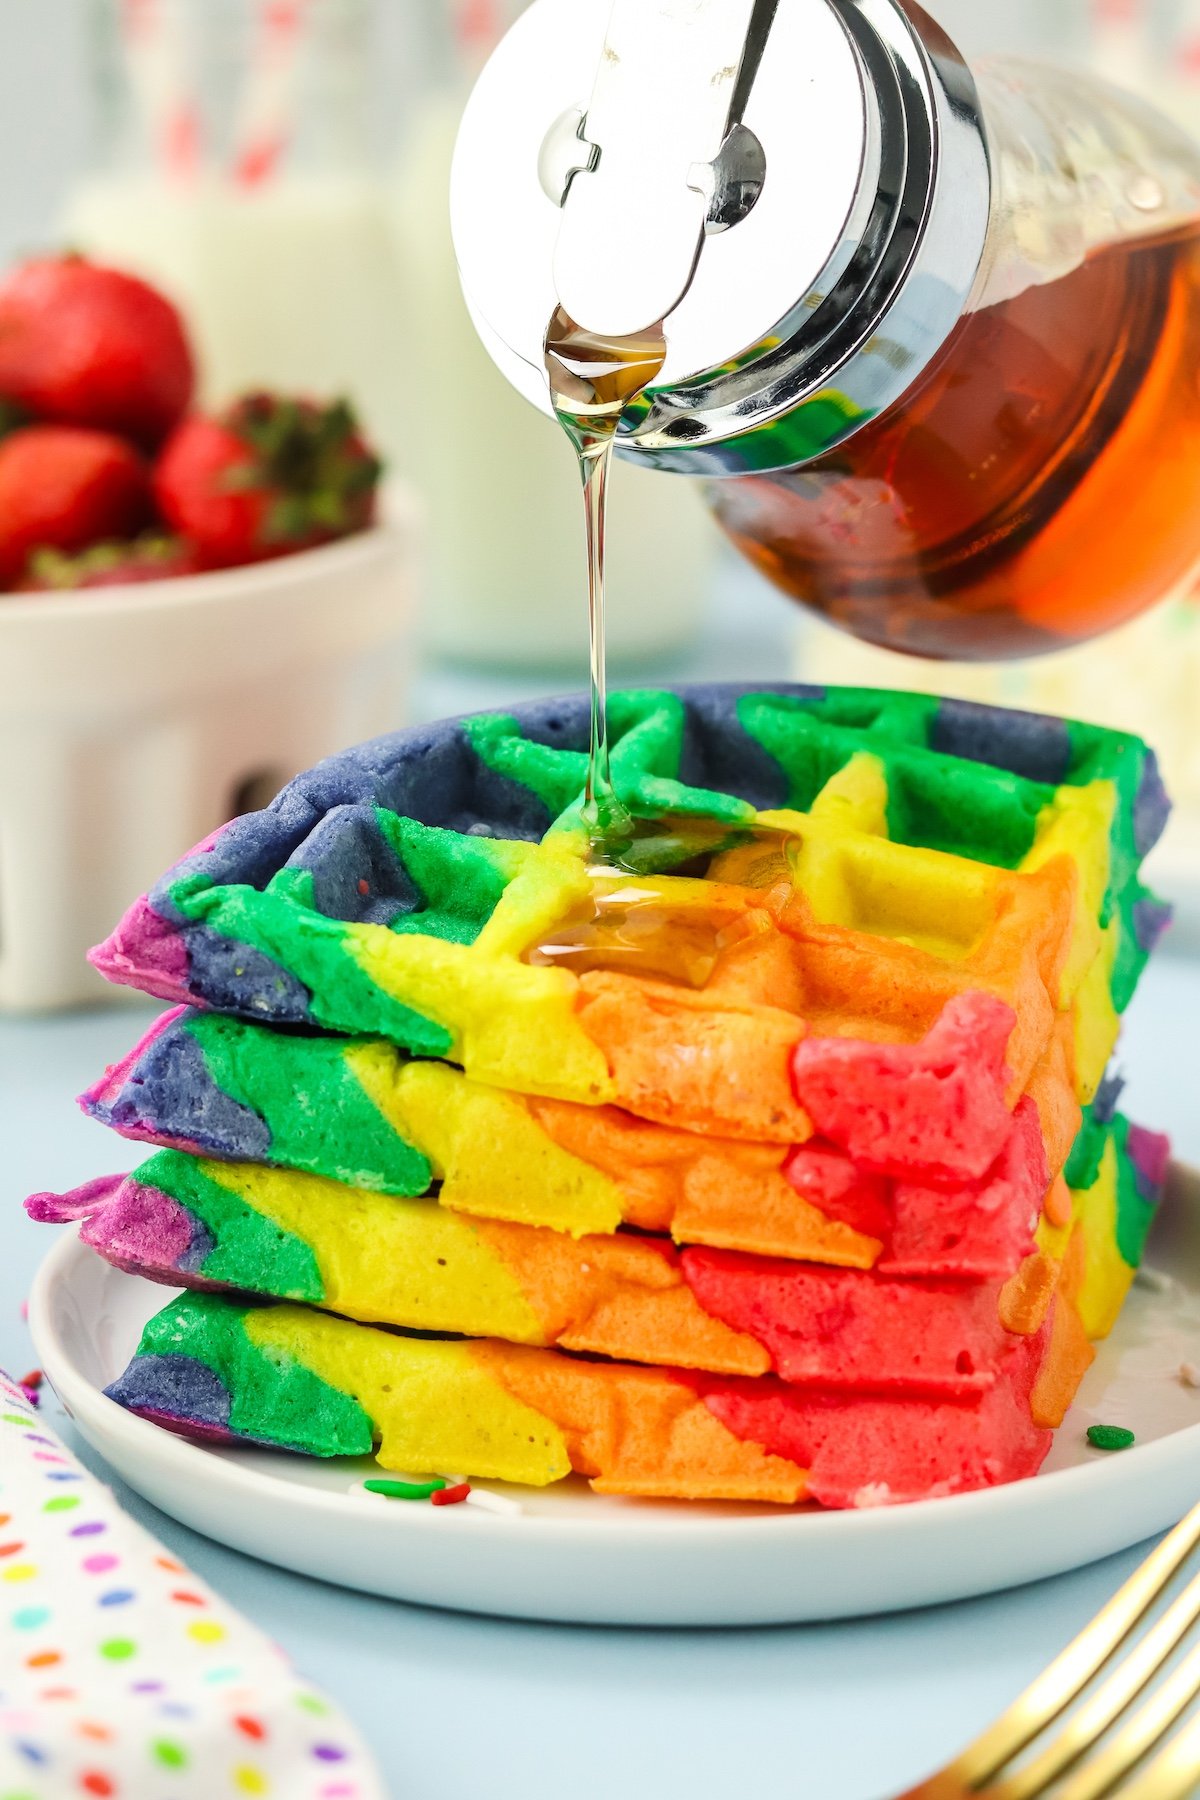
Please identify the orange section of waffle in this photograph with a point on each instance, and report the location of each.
(712, 1053)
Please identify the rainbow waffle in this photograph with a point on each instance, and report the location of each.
(925, 850)
(388, 1261)
(305, 1381)
(361, 1112)
(775, 1164)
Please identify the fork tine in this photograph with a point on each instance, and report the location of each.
(1106, 1706)
(1174, 1774)
(1053, 1692)
(1105, 1772)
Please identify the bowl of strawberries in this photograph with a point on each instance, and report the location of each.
(195, 604)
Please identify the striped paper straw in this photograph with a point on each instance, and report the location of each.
(268, 113)
(154, 37)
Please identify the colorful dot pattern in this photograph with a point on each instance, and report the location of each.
(122, 1676)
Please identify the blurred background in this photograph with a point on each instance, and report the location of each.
(279, 169)
(53, 103)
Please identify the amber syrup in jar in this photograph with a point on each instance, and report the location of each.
(1037, 486)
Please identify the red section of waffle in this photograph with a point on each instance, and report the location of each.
(825, 1177)
(977, 1228)
(862, 1450)
(964, 1228)
(840, 1328)
(931, 1111)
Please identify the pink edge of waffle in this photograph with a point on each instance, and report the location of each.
(145, 951)
(86, 1202)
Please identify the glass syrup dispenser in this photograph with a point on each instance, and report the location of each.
(932, 331)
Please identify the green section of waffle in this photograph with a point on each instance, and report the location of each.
(1099, 755)
(282, 923)
(1092, 1162)
(647, 747)
(934, 801)
(461, 878)
(250, 1250)
(371, 1256)
(273, 1396)
(308, 1091)
(949, 803)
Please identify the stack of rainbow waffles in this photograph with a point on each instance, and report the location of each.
(777, 1164)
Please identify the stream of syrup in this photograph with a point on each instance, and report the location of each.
(592, 380)
(633, 922)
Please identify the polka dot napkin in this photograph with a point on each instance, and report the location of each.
(123, 1675)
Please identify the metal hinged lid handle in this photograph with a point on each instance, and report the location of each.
(639, 173)
(610, 146)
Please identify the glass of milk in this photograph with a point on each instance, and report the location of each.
(282, 168)
(238, 169)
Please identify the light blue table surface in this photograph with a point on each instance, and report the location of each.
(456, 1707)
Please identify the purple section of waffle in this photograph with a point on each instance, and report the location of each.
(208, 844)
(166, 1076)
(174, 1389)
(356, 874)
(1150, 1155)
(1033, 745)
(233, 977)
(183, 1396)
(1150, 919)
(1151, 809)
(1108, 1097)
(117, 1074)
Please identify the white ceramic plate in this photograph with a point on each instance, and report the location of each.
(569, 1554)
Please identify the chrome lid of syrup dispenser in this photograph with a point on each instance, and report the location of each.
(799, 188)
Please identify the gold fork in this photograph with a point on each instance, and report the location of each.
(1075, 1764)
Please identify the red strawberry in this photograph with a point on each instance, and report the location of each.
(63, 488)
(147, 558)
(82, 345)
(266, 477)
